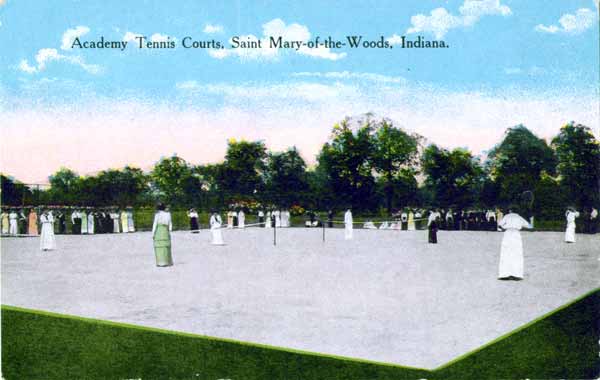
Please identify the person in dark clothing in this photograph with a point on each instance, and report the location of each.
(433, 226)
(62, 222)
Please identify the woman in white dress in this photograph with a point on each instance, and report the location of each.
(571, 214)
(47, 241)
(277, 215)
(13, 219)
(114, 215)
(241, 219)
(348, 225)
(215, 229)
(90, 223)
(130, 223)
(511, 252)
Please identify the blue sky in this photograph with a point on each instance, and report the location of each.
(509, 62)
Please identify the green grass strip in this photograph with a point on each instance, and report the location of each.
(562, 344)
(45, 345)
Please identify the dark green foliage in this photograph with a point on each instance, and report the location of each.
(13, 192)
(285, 178)
(518, 163)
(172, 180)
(454, 177)
(395, 158)
(240, 176)
(578, 153)
(346, 161)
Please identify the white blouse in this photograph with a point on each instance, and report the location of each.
(513, 222)
(164, 218)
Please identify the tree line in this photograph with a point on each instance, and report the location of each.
(368, 164)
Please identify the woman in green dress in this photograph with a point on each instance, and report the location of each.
(161, 233)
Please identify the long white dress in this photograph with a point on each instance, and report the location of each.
(277, 218)
(241, 219)
(215, 229)
(90, 223)
(130, 222)
(13, 228)
(47, 241)
(115, 218)
(348, 225)
(511, 251)
(570, 232)
(285, 218)
(268, 223)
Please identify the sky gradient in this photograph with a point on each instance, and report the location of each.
(509, 62)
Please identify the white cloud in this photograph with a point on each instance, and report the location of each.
(26, 67)
(130, 36)
(394, 39)
(353, 76)
(70, 34)
(219, 54)
(212, 29)
(278, 93)
(440, 21)
(321, 52)
(583, 19)
(276, 28)
(2, 2)
(157, 37)
(47, 55)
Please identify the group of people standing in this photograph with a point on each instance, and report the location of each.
(67, 220)
(105, 220)
(237, 219)
(15, 221)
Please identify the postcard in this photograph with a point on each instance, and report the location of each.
(300, 190)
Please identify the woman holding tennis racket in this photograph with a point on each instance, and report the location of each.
(511, 251)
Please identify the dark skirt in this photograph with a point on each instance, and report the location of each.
(433, 234)
(62, 226)
(194, 224)
(76, 226)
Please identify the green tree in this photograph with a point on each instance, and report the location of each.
(170, 179)
(128, 186)
(241, 175)
(454, 177)
(578, 153)
(346, 159)
(285, 178)
(394, 156)
(518, 162)
(13, 192)
(65, 187)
